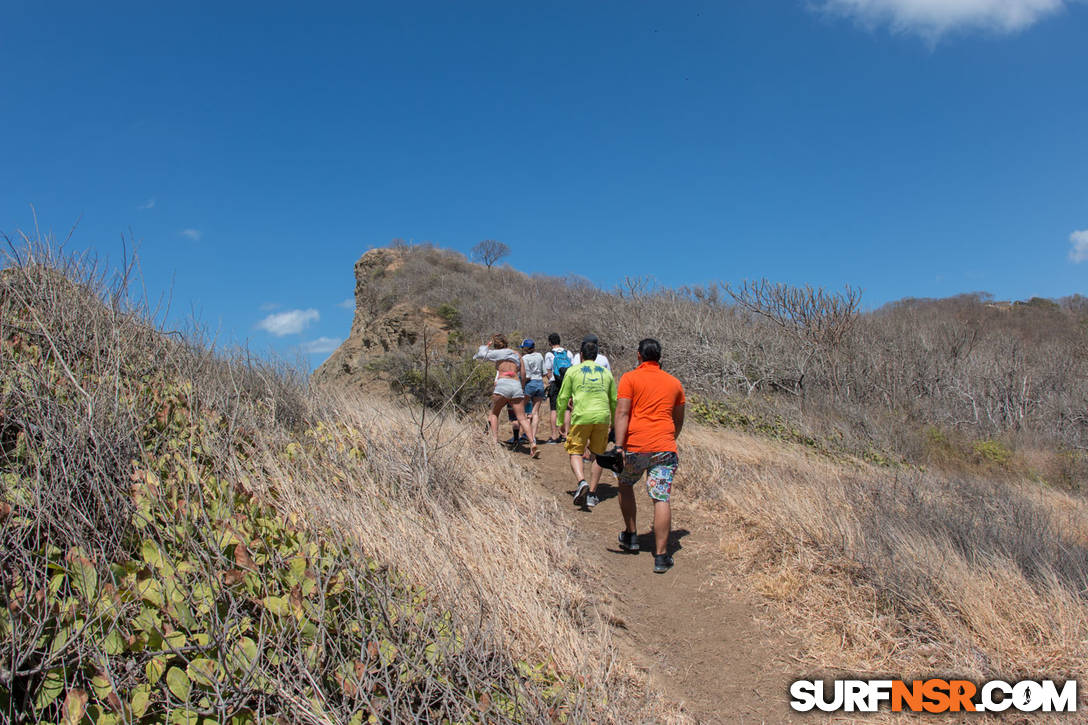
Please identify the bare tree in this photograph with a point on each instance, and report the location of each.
(489, 251)
(817, 320)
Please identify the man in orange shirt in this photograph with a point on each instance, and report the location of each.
(649, 416)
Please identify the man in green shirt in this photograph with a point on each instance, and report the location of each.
(594, 392)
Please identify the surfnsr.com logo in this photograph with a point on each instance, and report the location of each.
(934, 695)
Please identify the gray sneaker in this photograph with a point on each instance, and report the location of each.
(592, 500)
(629, 541)
(581, 493)
(662, 563)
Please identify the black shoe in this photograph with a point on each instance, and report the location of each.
(662, 563)
(581, 493)
(629, 541)
(511, 440)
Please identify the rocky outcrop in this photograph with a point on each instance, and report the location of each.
(381, 324)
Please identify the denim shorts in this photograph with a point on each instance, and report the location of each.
(535, 389)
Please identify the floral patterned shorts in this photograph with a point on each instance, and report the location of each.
(659, 469)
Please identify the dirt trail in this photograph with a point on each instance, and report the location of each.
(690, 629)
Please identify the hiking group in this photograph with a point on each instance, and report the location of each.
(643, 414)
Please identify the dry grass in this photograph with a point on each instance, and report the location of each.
(421, 516)
(462, 517)
(901, 572)
(974, 567)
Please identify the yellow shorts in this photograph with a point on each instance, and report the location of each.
(595, 434)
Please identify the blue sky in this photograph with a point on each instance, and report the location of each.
(908, 147)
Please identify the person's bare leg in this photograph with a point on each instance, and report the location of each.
(662, 525)
(595, 476)
(534, 420)
(577, 467)
(628, 507)
(566, 422)
(497, 404)
(523, 424)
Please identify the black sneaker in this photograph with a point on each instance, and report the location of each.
(592, 500)
(581, 493)
(662, 563)
(629, 541)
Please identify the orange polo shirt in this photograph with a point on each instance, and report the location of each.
(653, 394)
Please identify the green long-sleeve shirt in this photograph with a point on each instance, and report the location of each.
(594, 391)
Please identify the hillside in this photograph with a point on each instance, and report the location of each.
(888, 536)
(188, 537)
(958, 383)
(193, 537)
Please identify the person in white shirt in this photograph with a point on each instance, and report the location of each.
(601, 359)
(534, 382)
(556, 363)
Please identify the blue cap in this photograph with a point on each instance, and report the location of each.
(528, 342)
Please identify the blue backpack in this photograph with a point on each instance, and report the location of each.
(560, 364)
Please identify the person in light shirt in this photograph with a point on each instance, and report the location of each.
(593, 390)
(534, 383)
(603, 362)
(556, 363)
(509, 377)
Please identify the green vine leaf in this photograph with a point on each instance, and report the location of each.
(178, 683)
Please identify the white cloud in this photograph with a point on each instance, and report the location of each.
(194, 234)
(934, 18)
(320, 346)
(291, 322)
(149, 204)
(1078, 252)
(348, 304)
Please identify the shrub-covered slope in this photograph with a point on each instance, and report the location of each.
(955, 382)
(186, 537)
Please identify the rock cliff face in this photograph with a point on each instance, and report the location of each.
(382, 324)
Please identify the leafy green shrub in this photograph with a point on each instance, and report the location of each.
(174, 632)
(445, 381)
(450, 314)
(938, 444)
(992, 451)
(726, 414)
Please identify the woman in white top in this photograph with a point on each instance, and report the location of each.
(534, 381)
(510, 376)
